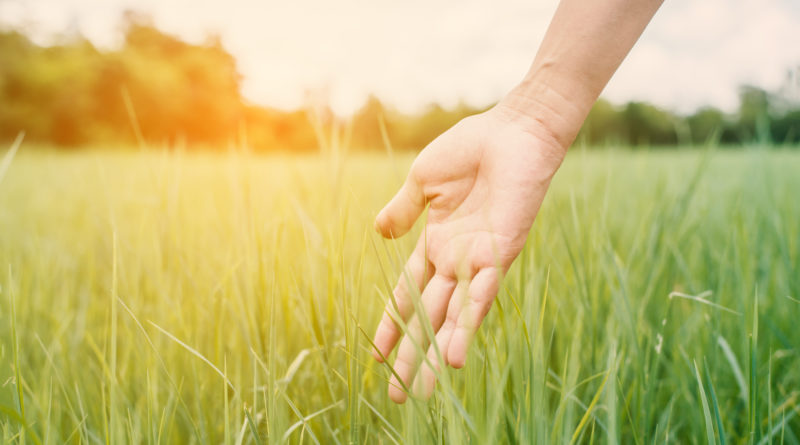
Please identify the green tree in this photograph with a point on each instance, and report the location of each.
(647, 124)
(709, 124)
(753, 116)
(604, 124)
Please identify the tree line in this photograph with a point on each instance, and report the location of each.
(158, 89)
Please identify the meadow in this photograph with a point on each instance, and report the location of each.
(176, 297)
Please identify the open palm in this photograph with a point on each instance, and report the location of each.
(484, 180)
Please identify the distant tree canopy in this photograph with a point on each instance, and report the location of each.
(157, 88)
(759, 118)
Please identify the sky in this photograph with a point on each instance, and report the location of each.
(415, 52)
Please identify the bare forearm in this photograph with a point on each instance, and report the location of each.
(584, 45)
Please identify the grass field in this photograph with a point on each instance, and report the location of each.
(168, 297)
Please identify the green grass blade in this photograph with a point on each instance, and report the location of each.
(706, 412)
(715, 405)
(582, 424)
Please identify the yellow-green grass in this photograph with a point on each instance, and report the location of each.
(171, 297)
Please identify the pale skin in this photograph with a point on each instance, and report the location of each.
(483, 182)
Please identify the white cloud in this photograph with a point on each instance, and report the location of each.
(415, 52)
(699, 52)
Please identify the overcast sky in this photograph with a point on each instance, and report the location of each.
(411, 53)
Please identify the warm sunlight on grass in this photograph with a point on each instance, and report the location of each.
(167, 297)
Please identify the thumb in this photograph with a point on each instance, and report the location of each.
(402, 211)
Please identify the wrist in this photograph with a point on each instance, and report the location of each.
(542, 109)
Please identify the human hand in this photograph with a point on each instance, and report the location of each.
(484, 180)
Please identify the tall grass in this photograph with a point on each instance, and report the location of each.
(167, 297)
